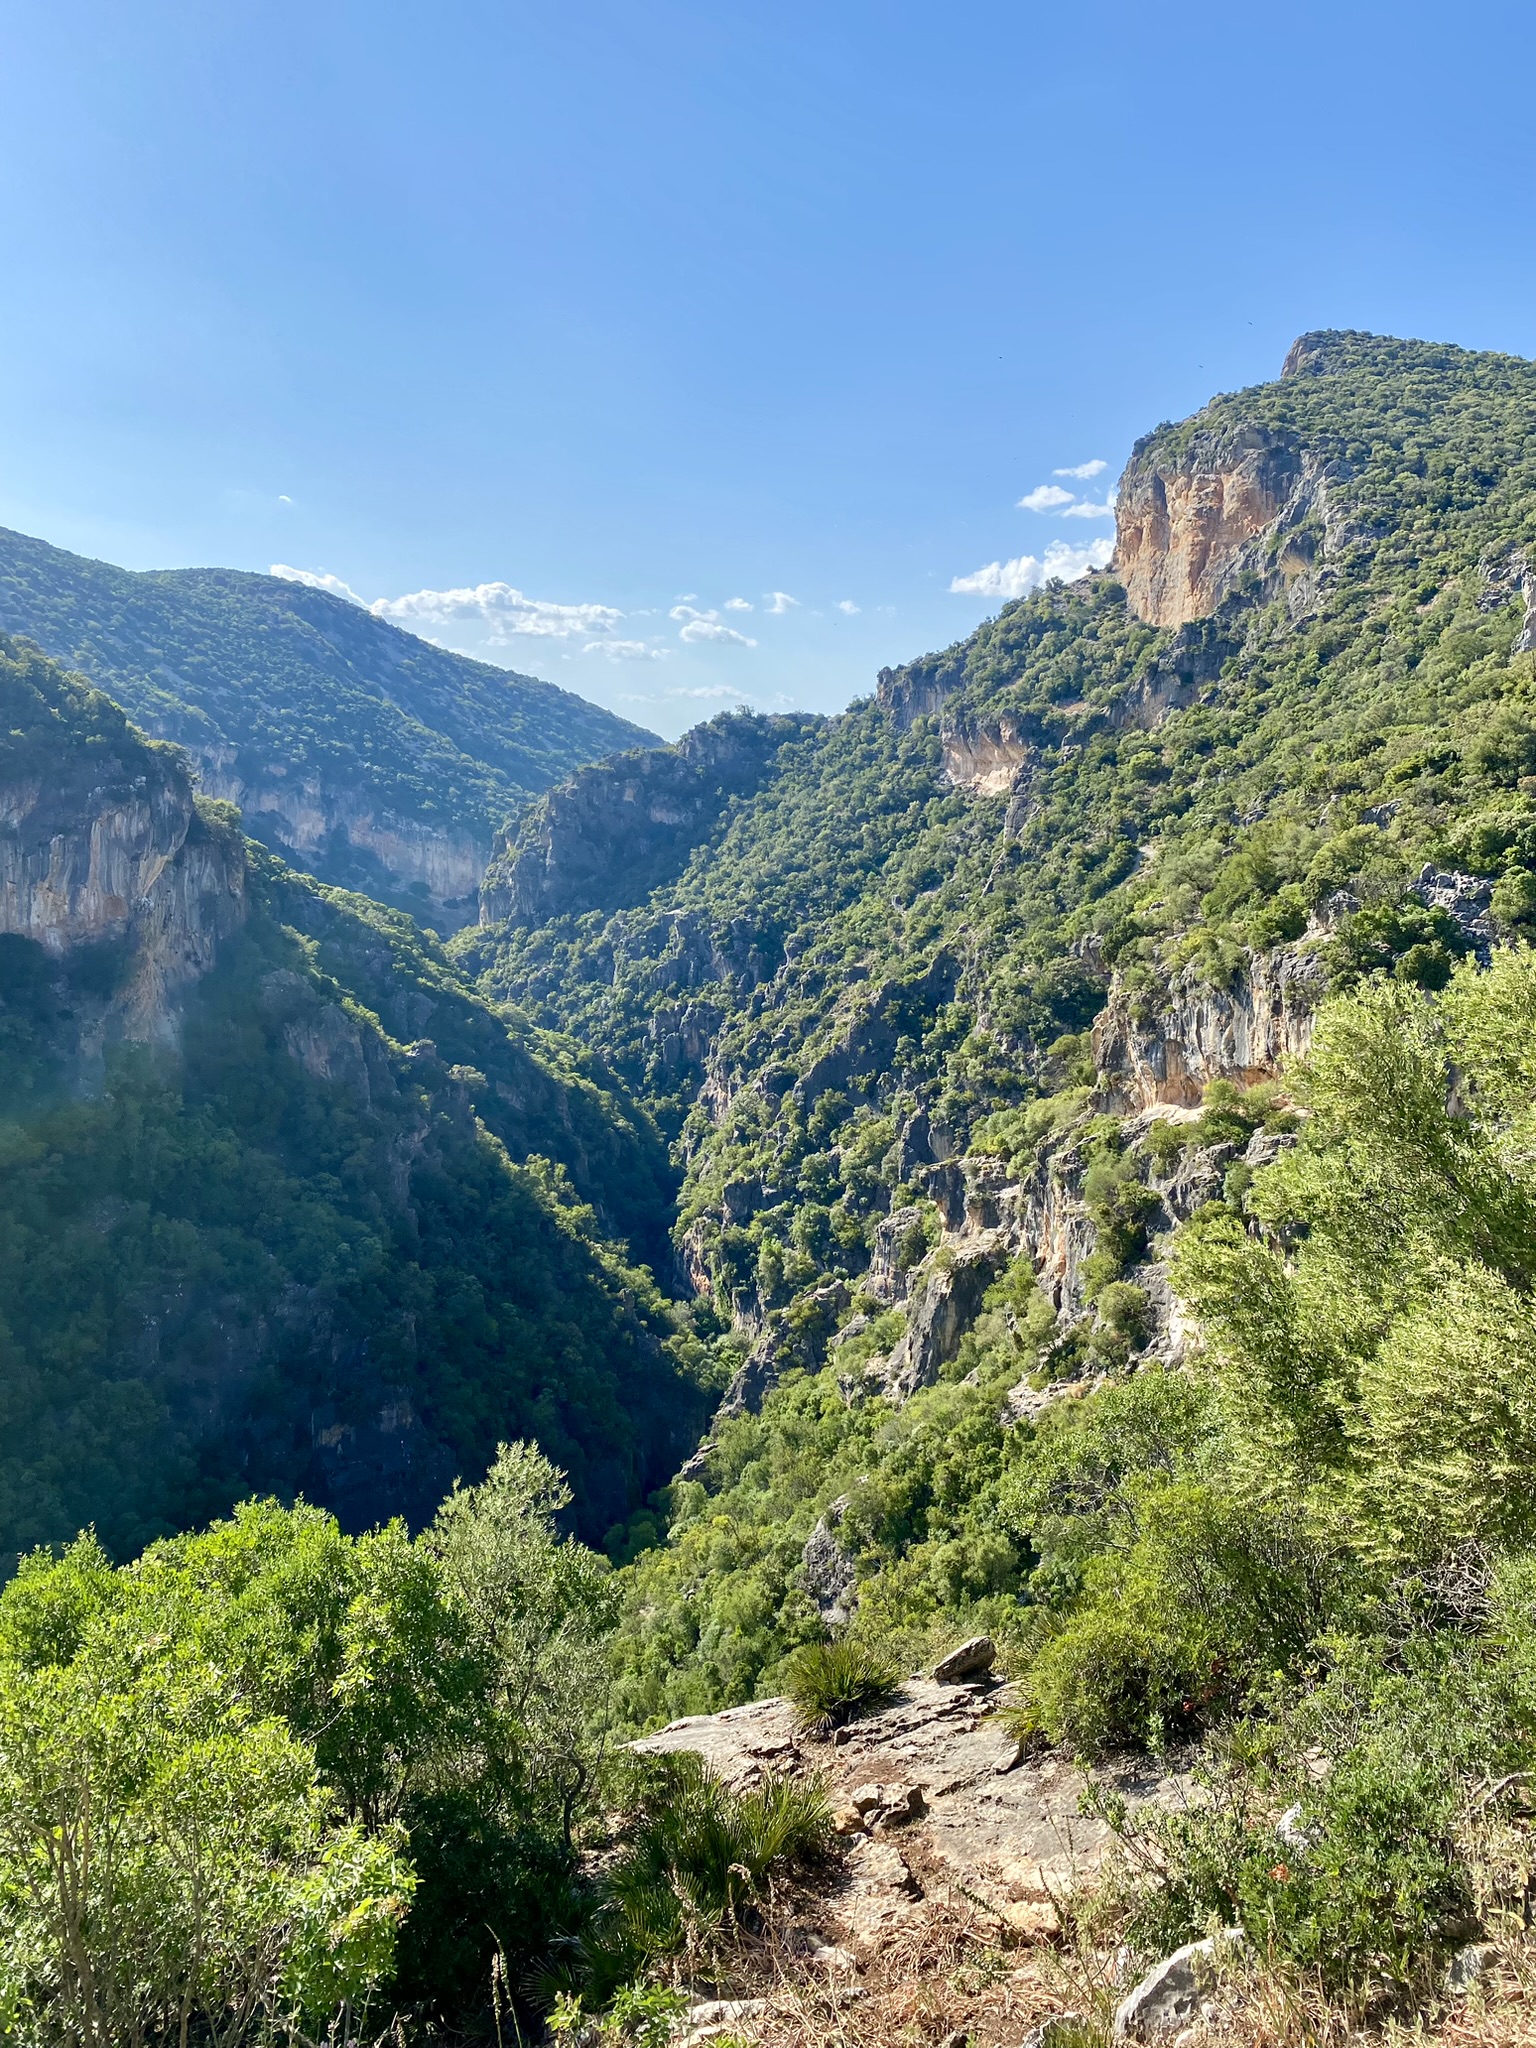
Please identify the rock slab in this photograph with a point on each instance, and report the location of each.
(1170, 1996)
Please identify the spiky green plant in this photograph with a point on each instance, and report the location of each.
(834, 1683)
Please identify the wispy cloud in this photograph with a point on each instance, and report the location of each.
(697, 625)
(318, 579)
(1083, 509)
(738, 604)
(497, 611)
(626, 650)
(778, 601)
(1085, 470)
(1044, 498)
(710, 690)
(846, 604)
(1027, 572)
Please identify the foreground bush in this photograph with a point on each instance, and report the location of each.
(211, 1760)
(170, 1861)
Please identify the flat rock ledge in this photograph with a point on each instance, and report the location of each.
(933, 1802)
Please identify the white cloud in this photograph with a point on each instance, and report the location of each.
(317, 579)
(283, 498)
(1084, 510)
(1027, 572)
(711, 690)
(778, 600)
(626, 650)
(505, 612)
(1044, 498)
(1084, 469)
(738, 604)
(846, 604)
(698, 626)
(711, 629)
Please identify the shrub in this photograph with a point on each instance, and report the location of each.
(833, 1683)
(1372, 1880)
(696, 1856)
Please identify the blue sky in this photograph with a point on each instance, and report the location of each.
(588, 335)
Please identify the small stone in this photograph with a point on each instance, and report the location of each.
(835, 1961)
(714, 2012)
(865, 1798)
(1293, 1831)
(971, 1659)
(847, 1820)
(1469, 1966)
(1168, 1998)
(899, 1804)
(1037, 1918)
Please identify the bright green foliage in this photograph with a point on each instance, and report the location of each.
(1395, 1345)
(834, 1683)
(251, 1722)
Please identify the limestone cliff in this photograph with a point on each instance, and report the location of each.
(103, 851)
(1197, 516)
(1243, 1033)
(612, 832)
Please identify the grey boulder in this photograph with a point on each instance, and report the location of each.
(1170, 1996)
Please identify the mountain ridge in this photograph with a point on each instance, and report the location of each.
(359, 751)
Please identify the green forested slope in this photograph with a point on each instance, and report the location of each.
(931, 956)
(330, 1231)
(279, 686)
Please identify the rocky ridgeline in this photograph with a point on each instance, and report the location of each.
(613, 832)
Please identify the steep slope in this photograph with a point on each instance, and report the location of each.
(361, 753)
(934, 1014)
(258, 1229)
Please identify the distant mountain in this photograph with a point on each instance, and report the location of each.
(367, 756)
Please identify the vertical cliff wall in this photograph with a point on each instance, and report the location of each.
(104, 852)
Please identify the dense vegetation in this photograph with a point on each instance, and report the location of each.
(284, 687)
(270, 1779)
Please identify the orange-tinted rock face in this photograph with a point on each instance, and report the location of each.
(1185, 523)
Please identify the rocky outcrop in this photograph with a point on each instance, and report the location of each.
(828, 1574)
(941, 1805)
(612, 832)
(793, 1337)
(1193, 518)
(941, 1309)
(986, 760)
(346, 837)
(103, 850)
(1243, 1033)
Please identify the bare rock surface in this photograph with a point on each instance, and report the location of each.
(1171, 1995)
(985, 1822)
